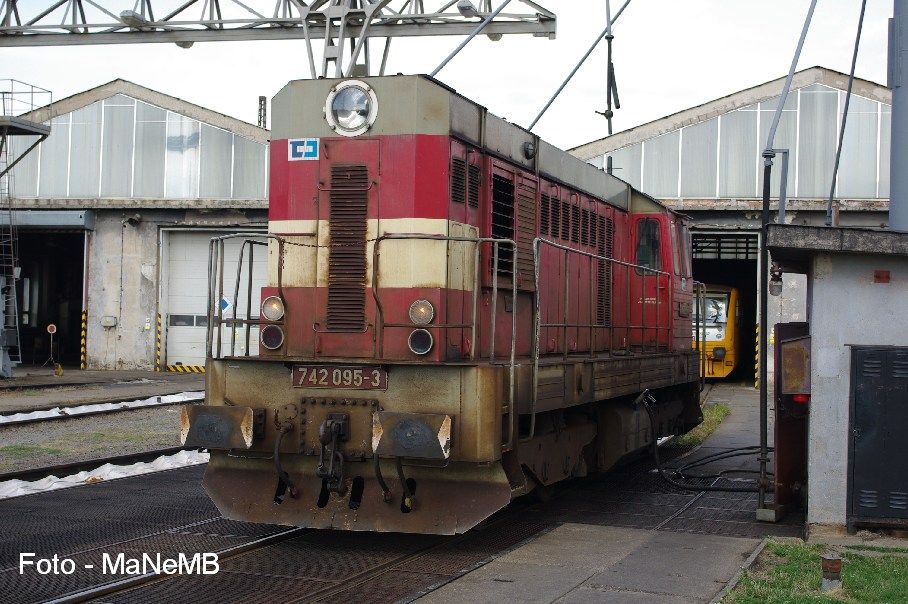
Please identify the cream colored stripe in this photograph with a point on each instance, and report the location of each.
(402, 264)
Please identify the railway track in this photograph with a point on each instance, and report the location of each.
(68, 469)
(105, 407)
(427, 562)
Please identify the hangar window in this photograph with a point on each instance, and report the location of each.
(648, 244)
(503, 219)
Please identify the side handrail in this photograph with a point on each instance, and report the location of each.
(477, 286)
(643, 271)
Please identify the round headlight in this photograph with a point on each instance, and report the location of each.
(422, 312)
(272, 337)
(273, 308)
(719, 353)
(351, 108)
(420, 341)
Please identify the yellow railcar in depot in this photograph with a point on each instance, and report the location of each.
(718, 325)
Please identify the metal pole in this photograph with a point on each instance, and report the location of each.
(472, 35)
(768, 155)
(898, 56)
(605, 32)
(838, 149)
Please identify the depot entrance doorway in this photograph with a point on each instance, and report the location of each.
(729, 260)
(50, 291)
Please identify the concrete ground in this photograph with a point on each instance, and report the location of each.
(30, 389)
(629, 550)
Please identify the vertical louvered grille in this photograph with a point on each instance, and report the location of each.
(585, 227)
(526, 230)
(475, 182)
(605, 237)
(575, 224)
(546, 201)
(347, 259)
(458, 180)
(503, 220)
(565, 221)
(556, 218)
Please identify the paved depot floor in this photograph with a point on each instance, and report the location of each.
(31, 388)
(637, 552)
(623, 537)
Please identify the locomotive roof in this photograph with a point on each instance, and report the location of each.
(419, 104)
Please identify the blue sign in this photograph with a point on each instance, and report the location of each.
(225, 304)
(302, 149)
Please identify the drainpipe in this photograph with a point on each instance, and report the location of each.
(898, 60)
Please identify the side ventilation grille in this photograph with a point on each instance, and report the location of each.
(503, 221)
(347, 259)
(458, 180)
(475, 174)
(605, 237)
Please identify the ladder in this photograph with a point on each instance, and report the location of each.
(9, 270)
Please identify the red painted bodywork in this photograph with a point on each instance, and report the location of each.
(410, 178)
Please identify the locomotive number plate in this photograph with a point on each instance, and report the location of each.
(340, 376)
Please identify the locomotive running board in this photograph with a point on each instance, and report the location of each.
(448, 500)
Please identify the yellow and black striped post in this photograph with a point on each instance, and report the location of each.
(157, 345)
(757, 359)
(83, 355)
(180, 368)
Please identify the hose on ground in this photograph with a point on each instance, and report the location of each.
(646, 398)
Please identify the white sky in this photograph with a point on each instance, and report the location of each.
(669, 55)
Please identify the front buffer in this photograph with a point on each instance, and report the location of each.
(417, 449)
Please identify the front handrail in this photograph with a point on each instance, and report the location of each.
(214, 348)
(496, 242)
(642, 271)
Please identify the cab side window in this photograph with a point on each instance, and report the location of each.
(648, 252)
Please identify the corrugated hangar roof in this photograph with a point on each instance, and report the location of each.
(736, 100)
(153, 97)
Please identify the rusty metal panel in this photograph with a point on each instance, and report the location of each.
(411, 435)
(217, 427)
(795, 365)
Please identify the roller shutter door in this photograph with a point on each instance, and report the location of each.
(186, 288)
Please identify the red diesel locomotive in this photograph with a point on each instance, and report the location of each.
(457, 313)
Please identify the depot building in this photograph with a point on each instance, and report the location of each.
(705, 162)
(115, 211)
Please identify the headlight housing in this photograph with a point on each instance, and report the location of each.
(719, 353)
(421, 312)
(420, 341)
(351, 108)
(272, 337)
(273, 308)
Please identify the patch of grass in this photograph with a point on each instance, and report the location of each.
(113, 436)
(713, 414)
(23, 451)
(789, 572)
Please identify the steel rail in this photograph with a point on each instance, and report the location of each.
(64, 415)
(68, 469)
(122, 585)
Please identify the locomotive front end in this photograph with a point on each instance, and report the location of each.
(363, 409)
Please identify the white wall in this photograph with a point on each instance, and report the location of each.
(847, 307)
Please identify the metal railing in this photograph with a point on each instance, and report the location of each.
(216, 319)
(478, 243)
(18, 98)
(643, 273)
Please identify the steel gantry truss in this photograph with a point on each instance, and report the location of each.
(344, 26)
